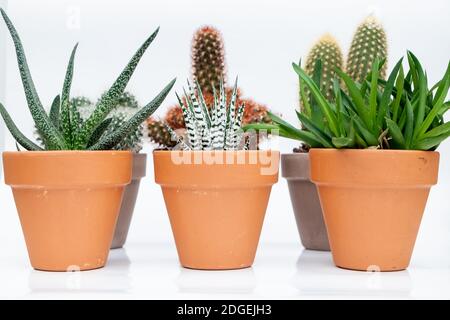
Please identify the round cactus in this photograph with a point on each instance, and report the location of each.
(158, 133)
(368, 43)
(254, 112)
(208, 58)
(329, 52)
(174, 117)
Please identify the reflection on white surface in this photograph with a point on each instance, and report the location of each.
(242, 281)
(115, 277)
(317, 275)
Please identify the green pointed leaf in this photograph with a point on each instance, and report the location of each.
(320, 135)
(111, 140)
(398, 95)
(320, 99)
(409, 126)
(421, 83)
(396, 133)
(99, 131)
(358, 100)
(373, 90)
(44, 125)
(108, 100)
(430, 143)
(440, 130)
(383, 109)
(16, 133)
(55, 111)
(342, 142)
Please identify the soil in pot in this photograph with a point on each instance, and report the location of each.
(129, 201)
(216, 210)
(373, 202)
(68, 203)
(305, 201)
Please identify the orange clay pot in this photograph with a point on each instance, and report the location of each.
(373, 202)
(68, 203)
(216, 209)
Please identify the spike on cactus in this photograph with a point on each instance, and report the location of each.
(174, 117)
(208, 58)
(369, 42)
(329, 52)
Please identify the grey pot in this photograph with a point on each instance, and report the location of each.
(129, 201)
(305, 201)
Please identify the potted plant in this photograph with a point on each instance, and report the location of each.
(216, 190)
(373, 160)
(68, 193)
(124, 109)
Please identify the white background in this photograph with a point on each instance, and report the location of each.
(262, 38)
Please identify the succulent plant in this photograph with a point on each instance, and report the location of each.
(208, 59)
(160, 133)
(329, 52)
(174, 117)
(398, 113)
(369, 42)
(217, 129)
(63, 128)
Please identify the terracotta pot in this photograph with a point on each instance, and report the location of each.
(216, 210)
(305, 201)
(129, 201)
(68, 203)
(373, 201)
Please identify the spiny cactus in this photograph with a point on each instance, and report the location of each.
(174, 117)
(63, 128)
(218, 129)
(329, 52)
(254, 112)
(369, 42)
(159, 133)
(208, 59)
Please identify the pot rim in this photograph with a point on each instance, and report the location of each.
(64, 152)
(367, 150)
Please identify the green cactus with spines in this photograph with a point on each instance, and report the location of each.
(369, 42)
(328, 51)
(208, 59)
(63, 128)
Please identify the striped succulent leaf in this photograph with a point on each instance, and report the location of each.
(224, 129)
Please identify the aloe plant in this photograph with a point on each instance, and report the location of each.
(63, 128)
(401, 112)
(217, 129)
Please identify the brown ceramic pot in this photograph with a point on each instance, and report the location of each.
(373, 202)
(305, 201)
(129, 201)
(216, 210)
(68, 203)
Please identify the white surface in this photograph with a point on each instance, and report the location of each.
(262, 38)
(148, 267)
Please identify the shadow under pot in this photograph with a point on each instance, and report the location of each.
(216, 202)
(305, 201)
(68, 203)
(373, 202)
(129, 201)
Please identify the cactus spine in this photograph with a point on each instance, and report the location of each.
(329, 52)
(369, 42)
(208, 59)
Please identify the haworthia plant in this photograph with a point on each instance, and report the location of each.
(217, 129)
(63, 128)
(401, 112)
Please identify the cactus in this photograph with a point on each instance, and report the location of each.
(159, 133)
(174, 117)
(369, 42)
(254, 112)
(208, 59)
(62, 128)
(217, 129)
(330, 54)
